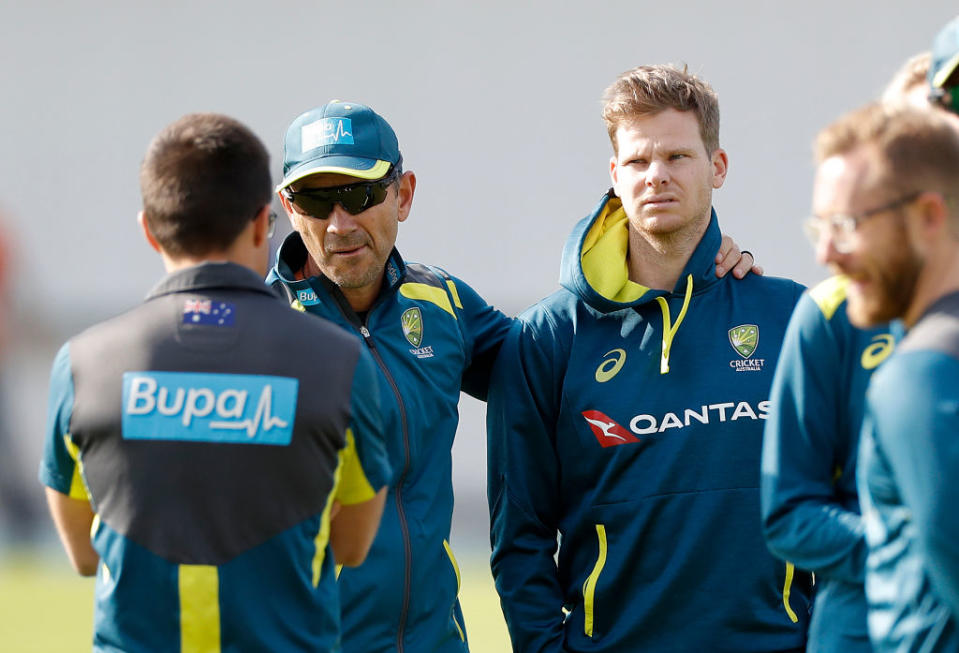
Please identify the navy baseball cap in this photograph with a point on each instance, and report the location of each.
(340, 137)
(945, 54)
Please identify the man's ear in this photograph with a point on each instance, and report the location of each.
(404, 194)
(142, 219)
(720, 161)
(261, 225)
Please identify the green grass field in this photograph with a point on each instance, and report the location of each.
(46, 608)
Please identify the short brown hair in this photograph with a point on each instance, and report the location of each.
(647, 90)
(203, 179)
(918, 148)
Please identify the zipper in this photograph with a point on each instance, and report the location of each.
(347, 311)
(404, 526)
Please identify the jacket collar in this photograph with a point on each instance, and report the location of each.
(207, 276)
(604, 286)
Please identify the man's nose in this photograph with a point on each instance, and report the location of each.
(341, 220)
(657, 174)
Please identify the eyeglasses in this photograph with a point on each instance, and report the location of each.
(355, 198)
(841, 226)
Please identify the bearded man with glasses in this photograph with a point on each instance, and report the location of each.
(810, 499)
(903, 263)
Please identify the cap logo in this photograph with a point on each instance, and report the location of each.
(326, 131)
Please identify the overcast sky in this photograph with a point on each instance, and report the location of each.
(496, 105)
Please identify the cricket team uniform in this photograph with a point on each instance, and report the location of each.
(908, 472)
(212, 454)
(430, 335)
(629, 421)
(809, 499)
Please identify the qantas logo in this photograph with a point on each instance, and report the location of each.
(609, 433)
(606, 430)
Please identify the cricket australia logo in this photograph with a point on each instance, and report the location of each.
(744, 340)
(412, 323)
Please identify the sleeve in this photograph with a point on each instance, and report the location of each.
(915, 415)
(524, 488)
(803, 519)
(365, 467)
(484, 329)
(60, 468)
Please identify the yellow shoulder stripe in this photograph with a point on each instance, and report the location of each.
(430, 294)
(456, 295)
(830, 294)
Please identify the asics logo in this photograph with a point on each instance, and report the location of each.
(610, 367)
(187, 406)
(878, 351)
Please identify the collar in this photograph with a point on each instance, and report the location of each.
(206, 276)
(600, 242)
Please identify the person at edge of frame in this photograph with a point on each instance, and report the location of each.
(809, 498)
(626, 410)
(884, 196)
(345, 190)
(209, 478)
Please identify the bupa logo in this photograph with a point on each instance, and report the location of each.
(229, 408)
(307, 297)
(326, 131)
(606, 430)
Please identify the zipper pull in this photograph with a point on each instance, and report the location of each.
(365, 332)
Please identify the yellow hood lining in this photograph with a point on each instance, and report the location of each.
(604, 255)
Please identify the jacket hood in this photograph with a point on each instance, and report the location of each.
(594, 265)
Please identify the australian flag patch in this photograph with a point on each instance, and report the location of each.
(208, 312)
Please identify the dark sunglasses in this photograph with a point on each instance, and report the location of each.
(355, 198)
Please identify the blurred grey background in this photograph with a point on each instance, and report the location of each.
(496, 105)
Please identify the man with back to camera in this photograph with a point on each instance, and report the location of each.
(885, 206)
(431, 335)
(223, 471)
(626, 410)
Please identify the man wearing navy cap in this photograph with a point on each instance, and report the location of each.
(430, 334)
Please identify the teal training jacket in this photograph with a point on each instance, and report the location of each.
(430, 335)
(908, 464)
(212, 458)
(809, 498)
(628, 422)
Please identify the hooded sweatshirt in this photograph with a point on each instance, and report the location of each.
(628, 422)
